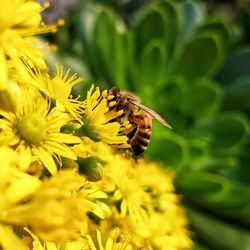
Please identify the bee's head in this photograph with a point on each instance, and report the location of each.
(115, 92)
(130, 97)
(123, 95)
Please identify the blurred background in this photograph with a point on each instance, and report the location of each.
(190, 62)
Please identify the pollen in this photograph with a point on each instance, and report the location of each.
(120, 112)
(32, 128)
(60, 22)
(104, 93)
(110, 97)
(111, 104)
(128, 126)
(126, 123)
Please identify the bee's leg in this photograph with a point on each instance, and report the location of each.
(131, 132)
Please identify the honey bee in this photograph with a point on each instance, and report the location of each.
(139, 116)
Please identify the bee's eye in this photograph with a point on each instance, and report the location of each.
(129, 99)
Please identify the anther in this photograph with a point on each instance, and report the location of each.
(104, 93)
(110, 97)
(111, 104)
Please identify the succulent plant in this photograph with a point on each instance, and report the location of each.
(176, 59)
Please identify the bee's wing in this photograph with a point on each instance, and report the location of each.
(151, 113)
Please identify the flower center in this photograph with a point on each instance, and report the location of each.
(32, 128)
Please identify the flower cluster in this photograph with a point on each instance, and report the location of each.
(64, 184)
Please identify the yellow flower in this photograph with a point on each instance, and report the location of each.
(173, 234)
(89, 148)
(141, 196)
(99, 122)
(15, 186)
(58, 88)
(19, 20)
(10, 96)
(55, 211)
(37, 244)
(115, 223)
(121, 178)
(9, 240)
(114, 241)
(34, 132)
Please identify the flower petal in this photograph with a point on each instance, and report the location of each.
(63, 138)
(23, 186)
(24, 157)
(59, 149)
(46, 159)
(9, 240)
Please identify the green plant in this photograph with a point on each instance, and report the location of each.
(170, 56)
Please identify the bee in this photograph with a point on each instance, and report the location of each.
(139, 116)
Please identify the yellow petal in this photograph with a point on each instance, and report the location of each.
(46, 159)
(59, 149)
(51, 246)
(63, 138)
(91, 243)
(3, 71)
(37, 245)
(99, 239)
(24, 157)
(23, 186)
(124, 208)
(9, 240)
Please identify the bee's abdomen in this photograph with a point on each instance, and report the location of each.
(141, 138)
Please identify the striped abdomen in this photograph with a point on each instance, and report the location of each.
(140, 137)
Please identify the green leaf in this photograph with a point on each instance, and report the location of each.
(165, 15)
(85, 33)
(215, 192)
(152, 65)
(175, 147)
(201, 100)
(237, 94)
(218, 234)
(200, 183)
(199, 153)
(192, 14)
(222, 166)
(170, 12)
(200, 57)
(170, 94)
(233, 199)
(145, 29)
(227, 130)
(243, 214)
(107, 39)
(219, 27)
(199, 246)
(237, 65)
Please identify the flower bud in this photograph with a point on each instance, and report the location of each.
(91, 168)
(10, 97)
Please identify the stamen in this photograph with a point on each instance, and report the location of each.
(120, 112)
(53, 47)
(128, 126)
(104, 93)
(32, 128)
(126, 123)
(110, 97)
(60, 22)
(111, 104)
(46, 5)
